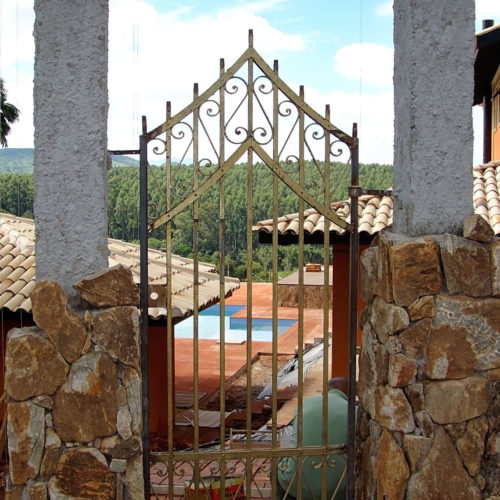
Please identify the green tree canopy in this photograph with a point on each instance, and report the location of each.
(16, 197)
(8, 115)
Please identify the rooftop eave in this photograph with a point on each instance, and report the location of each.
(486, 61)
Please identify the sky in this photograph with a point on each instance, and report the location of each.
(340, 50)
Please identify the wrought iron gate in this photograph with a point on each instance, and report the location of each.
(248, 121)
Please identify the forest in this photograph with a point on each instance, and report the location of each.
(16, 197)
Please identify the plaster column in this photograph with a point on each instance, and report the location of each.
(70, 117)
(433, 91)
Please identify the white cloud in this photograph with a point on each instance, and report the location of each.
(17, 49)
(16, 40)
(153, 57)
(177, 48)
(372, 63)
(172, 54)
(374, 115)
(384, 9)
(265, 5)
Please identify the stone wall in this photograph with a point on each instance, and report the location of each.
(288, 296)
(74, 388)
(429, 379)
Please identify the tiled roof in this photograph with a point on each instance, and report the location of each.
(17, 271)
(375, 212)
(486, 193)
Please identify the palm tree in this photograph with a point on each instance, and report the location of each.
(8, 115)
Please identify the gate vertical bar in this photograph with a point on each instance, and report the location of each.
(326, 307)
(196, 294)
(274, 394)
(300, 263)
(354, 192)
(248, 462)
(222, 285)
(170, 344)
(144, 302)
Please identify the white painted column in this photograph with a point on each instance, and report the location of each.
(70, 117)
(433, 88)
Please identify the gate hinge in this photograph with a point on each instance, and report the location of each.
(355, 191)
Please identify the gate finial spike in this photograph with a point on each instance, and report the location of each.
(275, 66)
(250, 38)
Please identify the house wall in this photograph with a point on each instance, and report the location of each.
(340, 310)
(429, 369)
(158, 391)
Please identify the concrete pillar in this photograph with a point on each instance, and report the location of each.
(70, 117)
(433, 89)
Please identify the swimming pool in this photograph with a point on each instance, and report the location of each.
(236, 328)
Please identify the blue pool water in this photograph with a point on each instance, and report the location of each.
(236, 328)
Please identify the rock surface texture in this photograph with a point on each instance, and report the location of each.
(74, 389)
(429, 377)
(119, 289)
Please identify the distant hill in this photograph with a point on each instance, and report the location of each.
(125, 161)
(20, 161)
(16, 161)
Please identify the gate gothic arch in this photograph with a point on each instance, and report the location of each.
(228, 124)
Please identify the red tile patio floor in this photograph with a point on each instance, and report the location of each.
(209, 350)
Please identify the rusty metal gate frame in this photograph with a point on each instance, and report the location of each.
(250, 144)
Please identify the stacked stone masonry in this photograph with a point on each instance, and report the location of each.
(74, 389)
(313, 296)
(429, 370)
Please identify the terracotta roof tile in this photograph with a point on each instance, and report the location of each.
(9, 251)
(13, 304)
(26, 291)
(375, 212)
(5, 284)
(26, 305)
(18, 286)
(5, 297)
(17, 270)
(5, 271)
(16, 273)
(486, 193)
